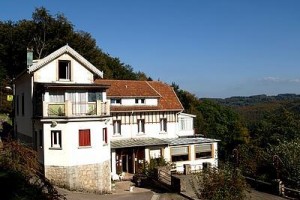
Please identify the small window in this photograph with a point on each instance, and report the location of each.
(41, 138)
(139, 101)
(104, 135)
(23, 105)
(56, 139)
(163, 125)
(84, 138)
(203, 151)
(64, 69)
(141, 125)
(117, 127)
(180, 153)
(115, 101)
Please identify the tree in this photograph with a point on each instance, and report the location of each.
(224, 124)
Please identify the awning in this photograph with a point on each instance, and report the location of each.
(137, 142)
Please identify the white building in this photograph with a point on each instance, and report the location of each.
(84, 127)
(64, 114)
(147, 122)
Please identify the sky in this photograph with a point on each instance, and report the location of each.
(218, 49)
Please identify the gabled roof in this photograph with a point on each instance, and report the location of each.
(65, 49)
(167, 98)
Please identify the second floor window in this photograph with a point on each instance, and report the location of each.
(141, 126)
(163, 125)
(115, 101)
(64, 69)
(117, 127)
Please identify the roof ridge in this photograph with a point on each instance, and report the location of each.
(153, 88)
(60, 51)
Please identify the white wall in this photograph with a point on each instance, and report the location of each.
(23, 85)
(71, 154)
(131, 102)
(49, 72)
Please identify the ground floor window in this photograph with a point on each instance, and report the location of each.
(84, 138)
(203, 151)
(56, 139)
(104, 135)
(180, 153)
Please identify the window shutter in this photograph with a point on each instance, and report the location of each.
(84, 138)
(203, 148)
(179, 151)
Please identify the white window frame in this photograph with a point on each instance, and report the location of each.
(117, 127)
(68, 70)
(56, 139)
(163, 125)
(141, 126)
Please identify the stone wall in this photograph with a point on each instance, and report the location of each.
(88, 178)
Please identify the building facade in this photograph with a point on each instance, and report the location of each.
(86, 129)
(63, 114)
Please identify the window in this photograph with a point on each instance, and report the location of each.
(64, 69)
(94, 96)
(41, 138)
(56, 139)
(17, 105)
(185, 124)
(203, 151)
(56, 97)
(104, 135)
(84, 138)
(139, 101)
(115, 101)
(117, 127)
(23, 104)
(163, 125)
(141, 125)
(180, 153)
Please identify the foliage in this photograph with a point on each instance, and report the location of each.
(45, 33)
(21, 161)
(288, 153)
(150, 167)
(223, 183)
(223, 123)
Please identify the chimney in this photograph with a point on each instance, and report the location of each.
(29, 56)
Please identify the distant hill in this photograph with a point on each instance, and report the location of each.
(238, 101)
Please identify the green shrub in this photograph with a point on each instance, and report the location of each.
(224, 183)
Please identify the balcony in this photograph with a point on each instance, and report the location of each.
(69, 109)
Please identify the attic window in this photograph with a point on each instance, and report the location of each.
(139, 101)
(115, 101)
(64, 69)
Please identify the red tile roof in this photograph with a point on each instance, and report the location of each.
(147, 89)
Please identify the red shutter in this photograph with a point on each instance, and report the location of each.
(84, 137)
(105, 135)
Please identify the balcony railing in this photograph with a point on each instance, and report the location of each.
(70, 109)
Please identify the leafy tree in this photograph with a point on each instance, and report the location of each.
(288, 153)
(224, 124)
(46, 33)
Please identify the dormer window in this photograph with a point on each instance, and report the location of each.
(64, 70)
(139, 101)
(115, 101)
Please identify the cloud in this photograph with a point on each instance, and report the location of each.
(271, 79)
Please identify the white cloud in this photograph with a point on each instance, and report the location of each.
(271, 79)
